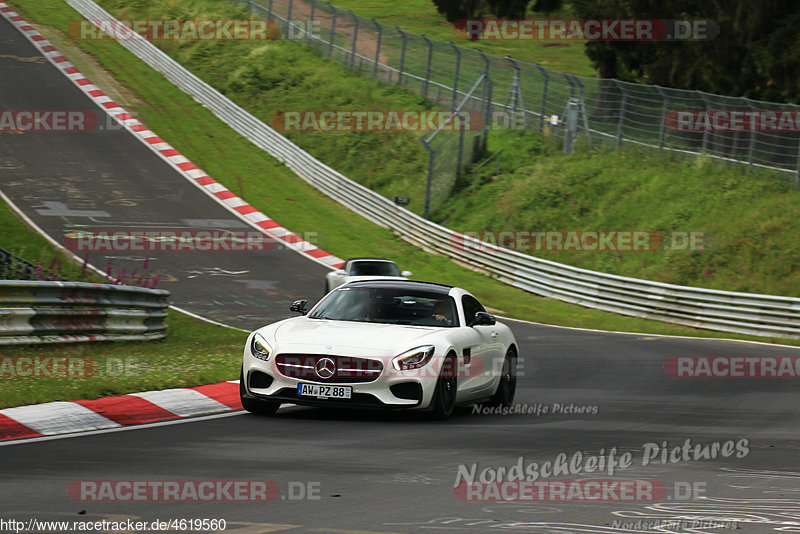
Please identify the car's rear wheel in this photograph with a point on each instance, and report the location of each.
(444, 396)
(504, 395)
(256, 406)
(327, 288)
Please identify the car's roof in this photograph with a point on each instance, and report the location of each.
(412, 285)
(369, 258)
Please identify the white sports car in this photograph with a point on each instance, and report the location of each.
(395, 344)
(364, 269)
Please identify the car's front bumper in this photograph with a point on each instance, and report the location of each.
(391, 390)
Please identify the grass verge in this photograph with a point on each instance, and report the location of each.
(421, 17)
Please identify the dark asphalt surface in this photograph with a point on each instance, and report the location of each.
(378, 472)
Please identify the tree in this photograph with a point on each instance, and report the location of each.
(754, 55)
(455, 10)
(508, 9)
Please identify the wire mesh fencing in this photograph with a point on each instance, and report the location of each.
(608, 113)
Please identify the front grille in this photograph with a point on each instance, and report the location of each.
(348, 369)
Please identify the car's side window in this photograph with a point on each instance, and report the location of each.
(471, 307)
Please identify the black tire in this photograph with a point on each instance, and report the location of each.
(504, 395)
(444, 397)
(327, 288)
(256, 406)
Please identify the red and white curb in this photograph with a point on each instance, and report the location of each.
(53, 418)
(186, 168)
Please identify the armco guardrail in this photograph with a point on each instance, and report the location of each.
(60, 312)
(744, 313)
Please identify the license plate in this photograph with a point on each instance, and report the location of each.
(324, 392)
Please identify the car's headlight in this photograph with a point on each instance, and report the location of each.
(259, 347)
(414, 358)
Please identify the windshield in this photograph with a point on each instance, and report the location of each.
(374, 268)
(387, 305)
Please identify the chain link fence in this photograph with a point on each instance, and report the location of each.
(607, 113)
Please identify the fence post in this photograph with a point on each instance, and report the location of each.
(457, 50)
(622, 109)
(544, 96)
(289, 18)
(753, 134)
(797, 170)
(487, 97)
(269, 11)
(582, 111)
(431, 158)
(355, 41)
(333, 30)
(402, 56)
(706, 133)
(377, 48)
(427, 67)
(310, 27)
(664, 106)
(516, 96)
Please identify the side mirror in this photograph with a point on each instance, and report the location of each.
(299, 306)
(406, 274)
(339, 272)
(483, 318)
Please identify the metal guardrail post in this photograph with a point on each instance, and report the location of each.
(457, 50)
(378, 27)
(622, 111)
(355, 41)
(427, 78)
(333, 29)
(402, 56)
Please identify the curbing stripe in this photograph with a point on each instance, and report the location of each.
(58, 418)
(178, 162)
(127, 409)
(183, 402)
(62, 417)
(12, 429)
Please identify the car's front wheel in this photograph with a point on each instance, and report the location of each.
(256, 406)
(504, 395)
(444, 396)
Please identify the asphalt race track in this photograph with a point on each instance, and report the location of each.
(600, 393)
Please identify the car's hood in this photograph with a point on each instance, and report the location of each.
(305, 335)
